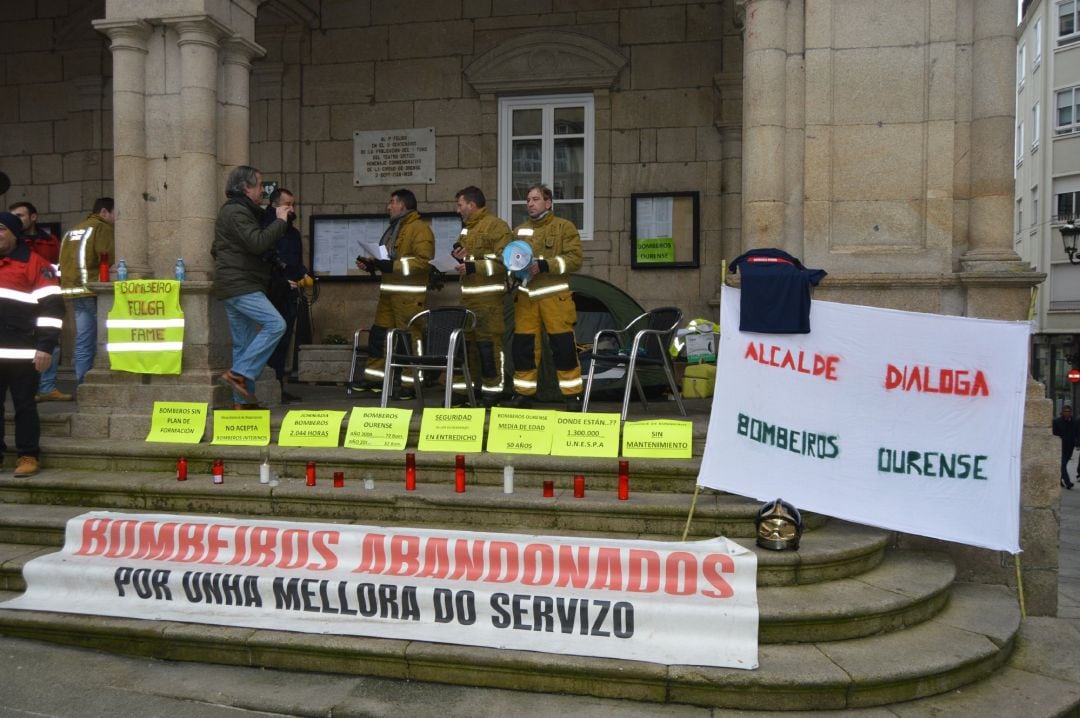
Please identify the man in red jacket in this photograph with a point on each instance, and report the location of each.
(46, 245)
(33, 312)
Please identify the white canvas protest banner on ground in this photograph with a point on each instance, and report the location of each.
(907, 421)
(670, 603)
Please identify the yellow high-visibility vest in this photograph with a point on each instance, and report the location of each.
(146, 327)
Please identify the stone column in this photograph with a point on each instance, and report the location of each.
(993, 57)
(235, 140)
(129, 50)
(795, 129)
(764, 120)
(199, 177)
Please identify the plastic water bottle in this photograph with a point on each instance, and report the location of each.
(121, 271)
(180, 270)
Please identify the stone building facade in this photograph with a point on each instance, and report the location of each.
(868, 137)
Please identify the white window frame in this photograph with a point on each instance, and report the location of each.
(1019, 215)
(548, 104)
(1035, 206)
(1075, 34)
(1021, 66)
(1036, 58)
(1035, 127)
(1019, 142)
(1074, 100)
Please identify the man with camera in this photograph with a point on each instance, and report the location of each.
(241, 277)
(288, 274)
(409, 245)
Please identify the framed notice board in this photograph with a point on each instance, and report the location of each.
(664, 230)
(337, 239)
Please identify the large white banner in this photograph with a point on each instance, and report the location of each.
(907, 421)
(671, 603)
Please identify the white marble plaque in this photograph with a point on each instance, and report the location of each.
(394, 157)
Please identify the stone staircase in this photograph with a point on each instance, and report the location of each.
(848, 622)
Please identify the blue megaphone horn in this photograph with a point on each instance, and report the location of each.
(517, 256)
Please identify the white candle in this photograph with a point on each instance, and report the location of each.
(369, 483)
(508, 479)
(264, 472)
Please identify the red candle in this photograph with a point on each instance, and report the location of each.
(410, 472)
(339, 479)
(103, 267)
(579, 487)
(311, 473)
(549, 489)
(624, 480)
(459, 474)
(181, 469)
(219, 471)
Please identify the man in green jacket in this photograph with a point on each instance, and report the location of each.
(243, 254)
(81, 251)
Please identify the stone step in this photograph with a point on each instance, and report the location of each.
(972, 637)
(485, 469)
(832, 549)
(907, 588)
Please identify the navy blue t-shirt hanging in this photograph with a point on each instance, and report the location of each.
(775, 292)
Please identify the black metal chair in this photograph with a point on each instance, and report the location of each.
(442, 347)
(652, 334)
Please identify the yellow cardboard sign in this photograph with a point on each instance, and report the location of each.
(585, 435)
(248, 427)
(303, 427)
(375, 428)
(177, 422)
(459, 431)
(519, 431)
(658, 439)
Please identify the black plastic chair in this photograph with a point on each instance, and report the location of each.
(652, 334)
(442, 347)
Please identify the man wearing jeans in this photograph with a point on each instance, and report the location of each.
(244, 254)
(82, 250)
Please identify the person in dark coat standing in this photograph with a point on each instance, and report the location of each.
(241, 275)
(1066, 429)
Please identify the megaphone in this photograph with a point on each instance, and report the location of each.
(517, 256)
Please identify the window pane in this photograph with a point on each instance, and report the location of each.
(1064, 113)
(525, 167)
(569, 120)
(517, 215)
(1066, 18)
(573, 211)
(569, 182)
(528, 122)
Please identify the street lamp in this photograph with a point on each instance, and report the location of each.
(1069, 233)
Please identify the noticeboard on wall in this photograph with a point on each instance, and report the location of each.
(664, 230)
(337, 239)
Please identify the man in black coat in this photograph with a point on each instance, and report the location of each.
(1066, 429)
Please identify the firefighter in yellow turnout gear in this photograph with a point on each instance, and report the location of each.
(483, 285)
(545, 301)
(410, 245)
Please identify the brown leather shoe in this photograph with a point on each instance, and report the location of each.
(54, 395)
(237, 383)
(26, 466)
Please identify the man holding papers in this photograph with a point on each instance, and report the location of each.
(405, 250)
